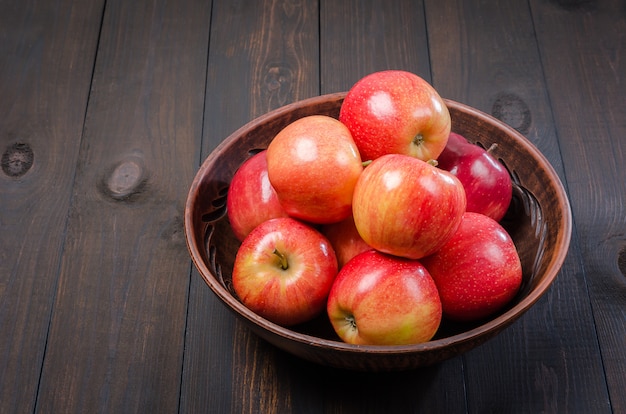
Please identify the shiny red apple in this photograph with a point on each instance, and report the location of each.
(345, 239)
(487, 183)
(313, 164)
(478, 271)
(251, 199)
(284, 270)
(378, 299)
(406, 207)
(396, 111)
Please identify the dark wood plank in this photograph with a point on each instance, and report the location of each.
(47, 51)
(486, 56)
(360, 37)
(98, 312)
(117, 332)
(583, 45)
(262, 55)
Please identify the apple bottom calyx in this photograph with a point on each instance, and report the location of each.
(350, 324)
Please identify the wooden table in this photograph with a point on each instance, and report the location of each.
(107, 109)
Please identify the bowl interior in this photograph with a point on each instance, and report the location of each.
(538, 220)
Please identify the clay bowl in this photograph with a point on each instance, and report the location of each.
(539, 221)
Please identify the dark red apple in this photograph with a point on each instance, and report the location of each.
(478, 271)
(487, 183)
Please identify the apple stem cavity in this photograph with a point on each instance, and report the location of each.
(282, 259)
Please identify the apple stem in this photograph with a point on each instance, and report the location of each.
(492, 147)
(284, 264)
(432, 162)
(366, 163)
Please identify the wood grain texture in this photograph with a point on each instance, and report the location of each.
(360, 37)
(583, 47)
(117, 330)
(272, 62)
(46, 59)
(497, 68)
(108, 108)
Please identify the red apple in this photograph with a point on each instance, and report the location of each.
(313, 164)
(487, 183)
(345, 239)
(478, 271)
(378, 299)
(395, 111)
(406, 207)
(284, 270)
(251, 199)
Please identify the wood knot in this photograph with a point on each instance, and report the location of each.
(621, 260)
(513, 111)
(278, 82)
(125, 178)
(17, 159)
(174, 231)
(278, 77)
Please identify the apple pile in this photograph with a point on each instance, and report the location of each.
(384, 219)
